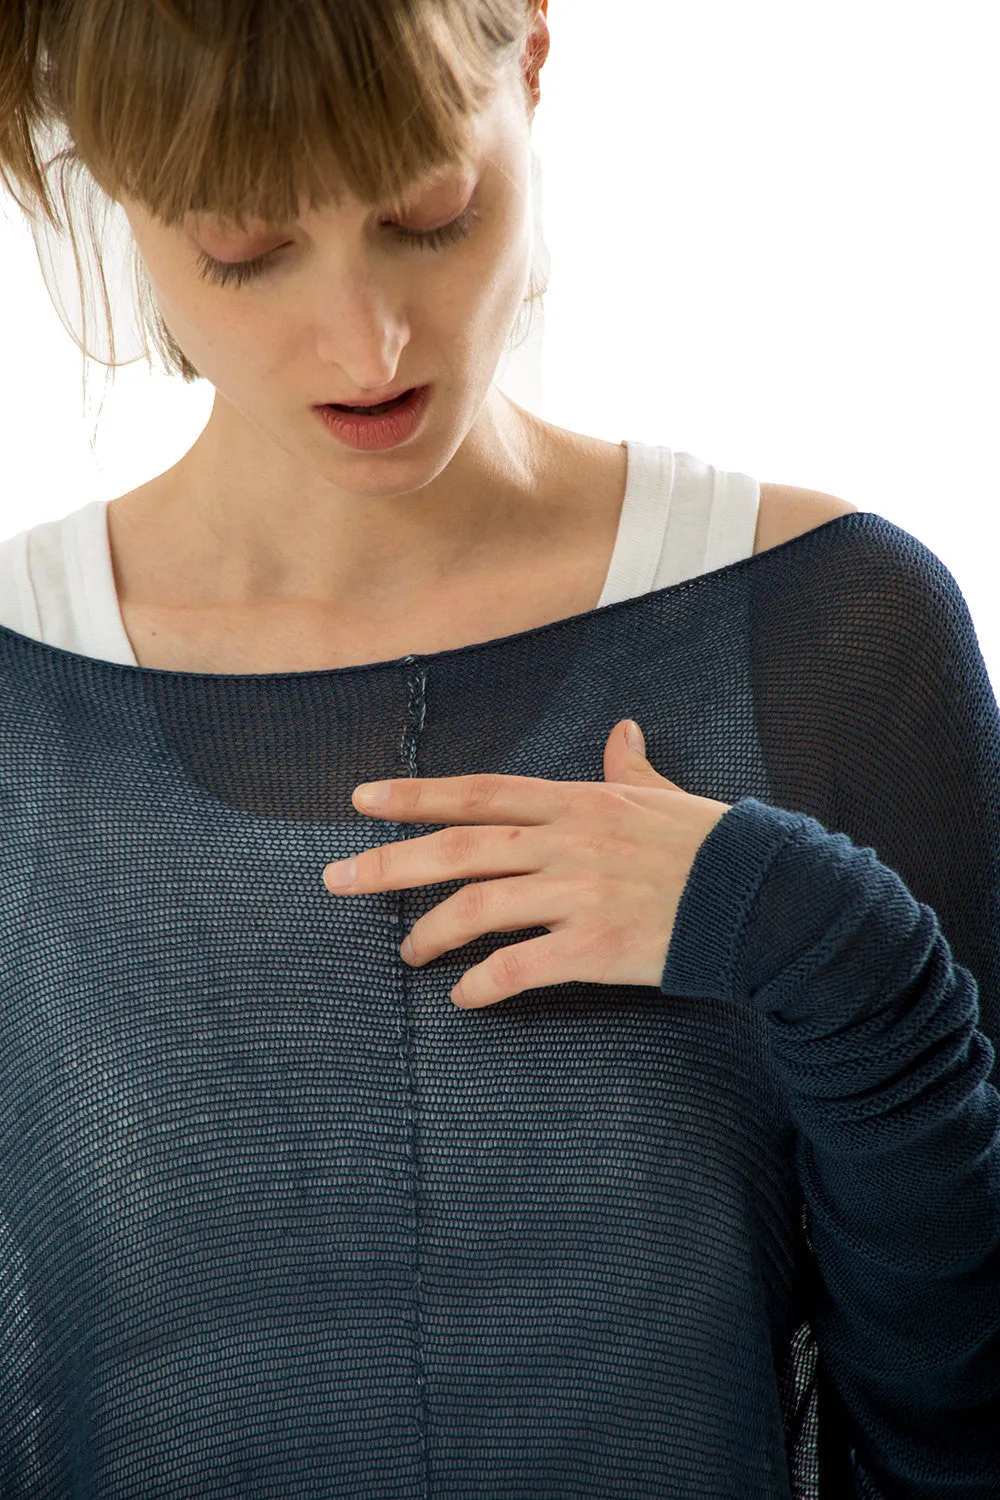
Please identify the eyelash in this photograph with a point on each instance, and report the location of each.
(227, 273)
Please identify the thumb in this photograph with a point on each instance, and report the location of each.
(635, 739)
(622, 763)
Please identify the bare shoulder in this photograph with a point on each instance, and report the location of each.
(786, 512)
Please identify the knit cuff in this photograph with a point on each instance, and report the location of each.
(722, 886)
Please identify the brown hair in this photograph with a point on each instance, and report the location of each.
(243, 108)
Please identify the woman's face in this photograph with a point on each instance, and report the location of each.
(347, 309)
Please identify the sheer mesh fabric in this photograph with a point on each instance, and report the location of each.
(278, 1219)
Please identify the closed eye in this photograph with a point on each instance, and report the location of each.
(238, 272)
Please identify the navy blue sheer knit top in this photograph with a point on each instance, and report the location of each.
(278, 1219)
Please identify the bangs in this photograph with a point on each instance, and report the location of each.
(245, 111)
(259, 111)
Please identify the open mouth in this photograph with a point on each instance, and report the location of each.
(374, 411)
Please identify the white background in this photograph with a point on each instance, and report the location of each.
(773, 231)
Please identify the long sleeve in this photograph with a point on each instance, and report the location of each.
(874, 1024)
(277, 1218)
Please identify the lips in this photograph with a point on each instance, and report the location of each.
(373, 400)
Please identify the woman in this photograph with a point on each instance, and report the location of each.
(711, 1202)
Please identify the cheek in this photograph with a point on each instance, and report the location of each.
(222, 333)
(225, 351)
(215, 336)
(509, 264)
(178, 308)
(518, 272)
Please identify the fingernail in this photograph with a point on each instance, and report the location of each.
(372, 793)
(634, 737)
(342, 873)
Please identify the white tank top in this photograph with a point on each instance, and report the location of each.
(680, 518)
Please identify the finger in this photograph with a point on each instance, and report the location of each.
(522, 966)
(458, 853)
(488, 906)
(476, 799)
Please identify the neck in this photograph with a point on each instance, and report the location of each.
(243, 522)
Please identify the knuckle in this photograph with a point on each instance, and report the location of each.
(591, 844)
(457, 844)
(472, 900)
(601, 800)
(507, 966)
(592, 896)
(480, 792)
